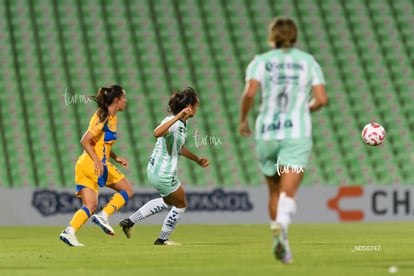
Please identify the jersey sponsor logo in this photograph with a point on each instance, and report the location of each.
(284, 79)
(274, 66)
(276, 126)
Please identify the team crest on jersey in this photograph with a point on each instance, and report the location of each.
(174, 182)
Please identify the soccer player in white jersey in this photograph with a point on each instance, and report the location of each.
(287, 78)
(171, 135)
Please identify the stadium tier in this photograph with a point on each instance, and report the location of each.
(57, 53)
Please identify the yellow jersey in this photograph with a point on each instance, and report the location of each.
(104, 135)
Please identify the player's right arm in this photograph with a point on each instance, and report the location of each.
(88, 143)
(246, 104)
(162, 129)
(254, 75)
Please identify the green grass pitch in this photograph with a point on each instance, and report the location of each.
(318, 249)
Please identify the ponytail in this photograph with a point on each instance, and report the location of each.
(181, 99)
(104, 99)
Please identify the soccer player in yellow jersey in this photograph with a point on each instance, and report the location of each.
(93, 169)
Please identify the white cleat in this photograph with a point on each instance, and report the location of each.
(69, 239)
(104, 224)
(281, 248)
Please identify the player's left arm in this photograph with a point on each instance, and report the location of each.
(119, 160)
(203, 162)
(320, 98)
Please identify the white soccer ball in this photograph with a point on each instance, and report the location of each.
(373, 134)
(393, 269)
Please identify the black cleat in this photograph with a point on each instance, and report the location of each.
(126, 226)
(165, 242)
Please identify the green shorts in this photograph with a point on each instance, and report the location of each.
(164, 185)
(278, 156)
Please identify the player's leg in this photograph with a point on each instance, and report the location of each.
(273, 187)
(294, 155)
(118, 200)
(90, 201)
(165, 186)
(268, 154)
(289, 183)
(150, 208)
(178, 200)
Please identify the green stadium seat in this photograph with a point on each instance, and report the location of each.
(152, 47)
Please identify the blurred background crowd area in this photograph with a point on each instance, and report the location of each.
(54, 54)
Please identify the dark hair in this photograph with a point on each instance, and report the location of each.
(181, 99)
(282, 32)
(105, 97)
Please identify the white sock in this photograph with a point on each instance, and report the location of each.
(70, 230)
(273, 224)
(151, 207)
(286, 209)
(103, 214)
(170, 222)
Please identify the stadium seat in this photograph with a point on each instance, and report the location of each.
(61, 50)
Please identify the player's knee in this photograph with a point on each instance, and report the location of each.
(181, 205)
(91, 207)
(130, 192)
(127, 188)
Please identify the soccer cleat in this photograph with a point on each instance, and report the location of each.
(69, 239)
(126, 225)
(104, 224)
(165, 242)
(281, 248)
(287, 259)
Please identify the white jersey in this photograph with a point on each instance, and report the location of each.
(286, 79)
(167, 150)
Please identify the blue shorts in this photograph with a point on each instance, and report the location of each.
(277, 156)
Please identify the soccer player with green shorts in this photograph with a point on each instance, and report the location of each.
(171, 135)
(292, 85)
